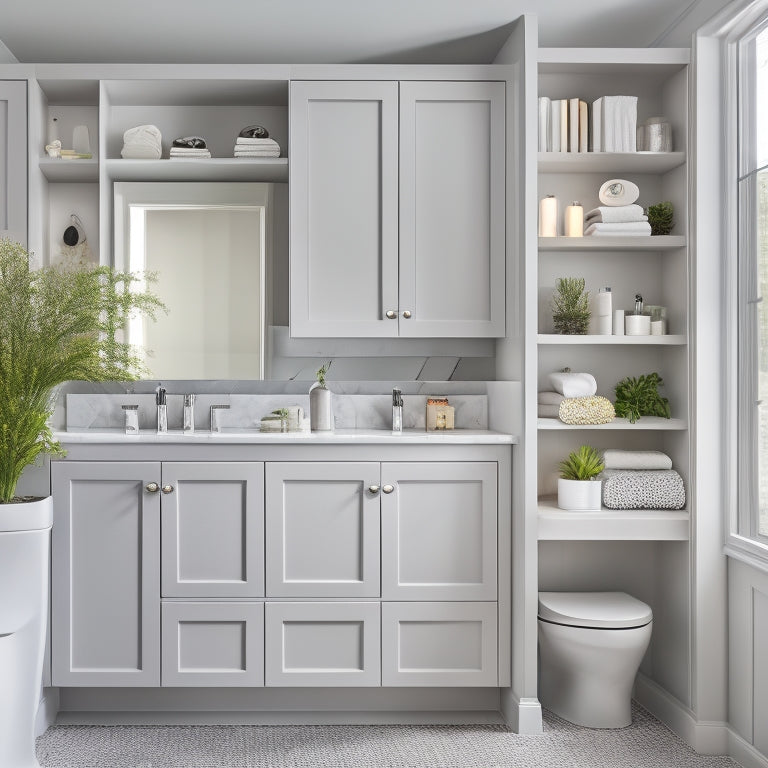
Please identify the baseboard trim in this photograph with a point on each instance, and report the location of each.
(707, 738)
(469, 717)
(522, 715)
(47, 710)
(743, 752)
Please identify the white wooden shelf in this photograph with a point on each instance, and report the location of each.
(622, 243)
(609, 162)
(611, 524)
(643, 423)
(266, 169)
(669, 339)
(56, 169)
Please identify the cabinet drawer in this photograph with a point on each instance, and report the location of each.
(213, 529)
(439, 644)
(318, 644)
(212, 644)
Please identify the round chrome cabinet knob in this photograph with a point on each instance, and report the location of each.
(388, 488)
(406, 313)
(391, 314)
(152, 487)
(373, 488)
(167, 489)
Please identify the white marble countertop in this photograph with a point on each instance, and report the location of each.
(253, 436)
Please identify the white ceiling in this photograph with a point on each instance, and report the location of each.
(321, 31)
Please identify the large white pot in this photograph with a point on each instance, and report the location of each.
(579, 495)
(25, 536)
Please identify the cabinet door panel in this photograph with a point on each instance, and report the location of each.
(322, 529)
(213, 529)
(213, 644)
(452, 210)
(106, 556)
(451, 644)
(334, 644)
(438, 531)
(343, 200)
(13, 160)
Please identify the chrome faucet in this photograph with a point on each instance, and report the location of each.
(162, 410)
(215, 425)
(397, 411)
(189, 414)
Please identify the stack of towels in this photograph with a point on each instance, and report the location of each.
(641, 480)
(254, 141)
(142, 143)
(189, 146)
(565, 385)
(609, 221)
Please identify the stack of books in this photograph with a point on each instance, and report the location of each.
(609, 124)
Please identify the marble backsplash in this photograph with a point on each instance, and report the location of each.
(351, 410)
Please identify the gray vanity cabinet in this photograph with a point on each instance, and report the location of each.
(397, 209)
(106, 571)
(13, 160)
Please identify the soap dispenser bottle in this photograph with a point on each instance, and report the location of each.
(162, 410)
(397, 411)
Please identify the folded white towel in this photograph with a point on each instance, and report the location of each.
(550, 398)
(256, 142)
(272, 151)
(138, 152)
(176, 153)
(573, 384)
(548, 411)
(615, 214)
(618, 459)
(632, 229)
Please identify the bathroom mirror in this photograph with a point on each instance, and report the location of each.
(207, 243)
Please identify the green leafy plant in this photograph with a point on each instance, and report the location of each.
(636, 397)
(661, 218)
(321, 374)
(570, 306)
(281, 412)
(57, 325)
(583, 464)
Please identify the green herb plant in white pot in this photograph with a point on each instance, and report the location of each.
(56, 325)
(578, 490)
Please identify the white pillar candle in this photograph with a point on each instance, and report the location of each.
(618, 322)
(548, 216)
(574, 220)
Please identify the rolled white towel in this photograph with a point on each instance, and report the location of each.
(618, 459)
(573, 384)
(630, 228)
(615, 214)
(147, 135)
(550, 398)
(548, 411)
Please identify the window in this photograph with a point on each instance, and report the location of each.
(753, 283)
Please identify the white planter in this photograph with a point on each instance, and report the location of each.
(320, 418)
(579, 495)
(25, 536)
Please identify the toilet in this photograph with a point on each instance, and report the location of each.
(590, 647)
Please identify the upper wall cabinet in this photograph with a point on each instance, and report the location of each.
(13, 160)
(397, 209)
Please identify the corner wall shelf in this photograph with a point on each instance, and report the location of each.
(644, 423)
(267, 169)
(622, 243)
(669, 339)
(56, 169)
(604, 162)
(556, 524)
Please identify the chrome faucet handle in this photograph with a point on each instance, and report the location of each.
(215, 426)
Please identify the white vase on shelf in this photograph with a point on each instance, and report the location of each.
(579, 495)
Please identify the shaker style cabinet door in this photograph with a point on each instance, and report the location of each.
(452, 209)
(438, 531)
(213, 529)
(322, 529)
(343, 202)
(13, 160)
(106, 571)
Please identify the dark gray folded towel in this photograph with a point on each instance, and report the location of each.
(643, 489)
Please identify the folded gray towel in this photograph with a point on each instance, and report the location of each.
(549, 411)
(644, 489)
(550, 398)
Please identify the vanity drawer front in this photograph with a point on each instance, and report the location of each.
(213, 529)
(323, 644)
(322, 529)
(439, 531)
(213, 644)
(439, 644)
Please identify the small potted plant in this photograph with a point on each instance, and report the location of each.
(320, 418)
(56, 325)
(577, 488)
(570, 306)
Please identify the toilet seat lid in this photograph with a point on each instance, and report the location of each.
(606, 610)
